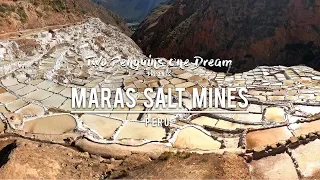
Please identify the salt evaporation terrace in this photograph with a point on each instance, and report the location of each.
(38, 71)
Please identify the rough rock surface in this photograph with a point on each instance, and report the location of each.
(31, 160)
(251, 33)
(194, 166)
(25, 159)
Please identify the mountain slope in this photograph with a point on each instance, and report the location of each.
(130, 10)
(250, 32)
(18, 15)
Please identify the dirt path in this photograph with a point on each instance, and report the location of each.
(18, 34)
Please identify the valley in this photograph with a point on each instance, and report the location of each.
(251, 33)
(132, 11)
(271, 130)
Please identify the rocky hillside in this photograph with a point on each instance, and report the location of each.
(153, 17)
(16, 15)
(251, 33)
(130, 10)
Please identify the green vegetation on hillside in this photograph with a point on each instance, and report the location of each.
(5, 9)
(58, 5)
(22, 14)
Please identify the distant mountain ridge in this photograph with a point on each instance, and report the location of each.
(250, 32)
(130, 10)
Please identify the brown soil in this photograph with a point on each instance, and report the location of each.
(28, 45)
(31, 160)
(191, 166)
(315, 175)
(26, 159)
